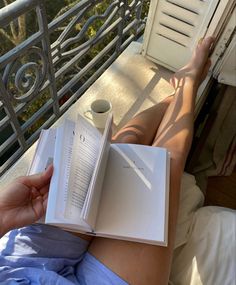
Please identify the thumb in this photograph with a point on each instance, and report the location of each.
(38, 180)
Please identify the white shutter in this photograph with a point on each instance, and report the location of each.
(173, 29)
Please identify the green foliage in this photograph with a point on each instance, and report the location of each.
(32, 109)
(54, 9)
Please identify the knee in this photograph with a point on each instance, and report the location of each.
(129, 135)
(126, 138)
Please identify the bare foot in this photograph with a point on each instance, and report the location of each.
(197, 68)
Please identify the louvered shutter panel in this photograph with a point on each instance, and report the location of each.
(173, 29)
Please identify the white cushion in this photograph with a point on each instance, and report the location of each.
(209, 255)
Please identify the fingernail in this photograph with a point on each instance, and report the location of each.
(49, 167)
(49, 170)
(200, 41)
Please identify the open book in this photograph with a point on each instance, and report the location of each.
(112, 190)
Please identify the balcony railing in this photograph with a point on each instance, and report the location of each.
(43, 75)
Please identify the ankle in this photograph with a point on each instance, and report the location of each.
(186, 77)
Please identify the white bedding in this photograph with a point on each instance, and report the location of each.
(205, 252)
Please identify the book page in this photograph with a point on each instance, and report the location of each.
(91, 206)
(58, 191)
(44, 152)
(84, 156)
(134, 201)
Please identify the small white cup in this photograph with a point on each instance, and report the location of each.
(98, 112)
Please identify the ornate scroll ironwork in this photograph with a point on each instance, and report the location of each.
(28, 77)
(42, 76)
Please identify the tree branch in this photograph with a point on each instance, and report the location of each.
(16, 37)
(13, 30)
(22, 28)
(6, 3)
(5, 34)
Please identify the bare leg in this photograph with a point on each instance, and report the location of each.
(176, 129)
(143, 127)
(141, 263)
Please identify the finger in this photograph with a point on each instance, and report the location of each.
(45, 203)
(38, 180)
(44, 189)
(34, 193)
(45, 196)
(38, 208)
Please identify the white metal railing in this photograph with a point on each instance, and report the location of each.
(43, 75)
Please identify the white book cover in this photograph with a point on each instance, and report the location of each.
(119, 191)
